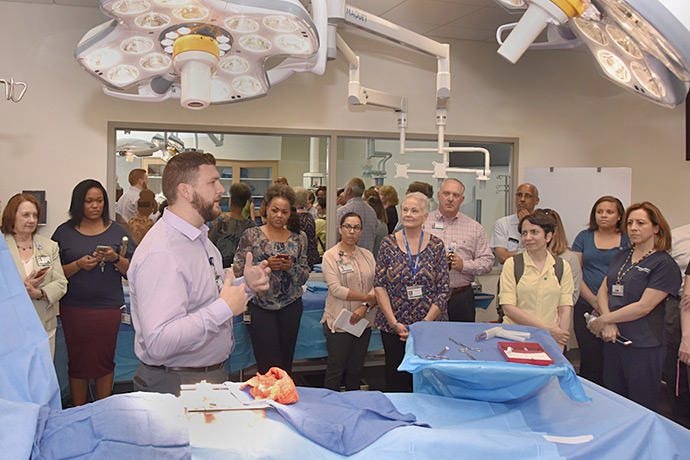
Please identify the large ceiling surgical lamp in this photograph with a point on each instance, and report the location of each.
(640, 45)
(202, 51)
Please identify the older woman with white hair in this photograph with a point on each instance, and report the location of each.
(411, 284)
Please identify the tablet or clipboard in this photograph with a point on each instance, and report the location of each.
(342, 322)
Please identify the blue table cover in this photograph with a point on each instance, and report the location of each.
(490, 377)
(548, 425)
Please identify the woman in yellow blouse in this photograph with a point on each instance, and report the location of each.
(349, 272)
(539, 298)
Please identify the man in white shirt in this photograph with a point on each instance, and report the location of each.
(467, 247)
(506, 240)
(126, 206)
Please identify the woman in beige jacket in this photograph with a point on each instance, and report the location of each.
(349, 272)
(37, 259)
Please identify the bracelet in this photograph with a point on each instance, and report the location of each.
(116, 261)
(395, 326)
(43, 294)
(76, 262)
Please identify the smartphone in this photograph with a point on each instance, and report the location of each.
(101, 248)
(283, 256)
(42, 271)
(623, 340)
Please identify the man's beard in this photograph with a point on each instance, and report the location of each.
(207, 210)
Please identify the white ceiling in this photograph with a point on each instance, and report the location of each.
(437, 19)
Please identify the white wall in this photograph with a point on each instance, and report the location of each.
(563, 113)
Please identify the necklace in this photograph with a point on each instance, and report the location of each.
(23, 248)
(621, 275)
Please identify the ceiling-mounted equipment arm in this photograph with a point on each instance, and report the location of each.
(360, 95)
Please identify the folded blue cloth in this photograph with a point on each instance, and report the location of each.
(126, 426)
(343, 422)
(317, 286)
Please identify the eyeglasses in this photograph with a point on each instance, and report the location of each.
(350, 228)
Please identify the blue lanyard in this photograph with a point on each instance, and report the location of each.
(409, 256)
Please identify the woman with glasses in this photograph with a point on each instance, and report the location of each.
(412, 284)
(277, 312)
(349, 272)
(543, 295)
(595, 248)
(632, 303)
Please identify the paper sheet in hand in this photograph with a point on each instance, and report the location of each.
(342, 322)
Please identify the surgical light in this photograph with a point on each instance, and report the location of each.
(640, 45)
(203, 51)
(629, 56)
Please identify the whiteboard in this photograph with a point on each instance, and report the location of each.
(573, 191)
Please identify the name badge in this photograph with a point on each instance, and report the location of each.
(617, 290)
(437, 226)
(219, 283)
(43, 261)
(345, 268)
(414, 292)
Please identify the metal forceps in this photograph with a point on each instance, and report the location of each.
(465, 349)
(440, 355)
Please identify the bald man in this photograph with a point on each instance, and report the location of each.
(506, 240)
(280, 180)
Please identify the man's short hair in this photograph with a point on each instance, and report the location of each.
(183, 169)
(452, 179)
(356, 185)
(421, 187)
(135, 175)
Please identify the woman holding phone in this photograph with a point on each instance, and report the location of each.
(632, 302)
(37, 259)
(94, 260)
(276, 313)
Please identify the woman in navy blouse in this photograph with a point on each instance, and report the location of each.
(412, 284)
(632, 301)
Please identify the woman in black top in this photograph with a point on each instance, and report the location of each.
(94, 263)
(632, 300)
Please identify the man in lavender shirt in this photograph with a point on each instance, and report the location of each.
(182, 302)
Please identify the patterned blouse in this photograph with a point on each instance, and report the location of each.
(308, 225)
(286, 286)
(225, 233)
(394, 272)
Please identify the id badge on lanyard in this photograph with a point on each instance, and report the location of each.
(617, 290)
(414, 291)
(345, 268)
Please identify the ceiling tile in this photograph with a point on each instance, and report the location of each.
(91, 3)
(421, 28)
(486, 18)
(378, 7)
(429, 11)
(458, 33)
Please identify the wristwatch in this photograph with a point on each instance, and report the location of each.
(367, 305)
(116, 261)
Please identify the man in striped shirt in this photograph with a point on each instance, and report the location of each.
(467, 246)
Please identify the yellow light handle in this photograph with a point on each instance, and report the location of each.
(572, 8)
(195, 42)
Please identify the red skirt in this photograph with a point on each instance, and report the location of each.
(91, 336)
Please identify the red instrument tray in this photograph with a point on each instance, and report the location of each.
(526, 353)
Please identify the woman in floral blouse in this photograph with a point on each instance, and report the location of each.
(276, 313)
(411, 283)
